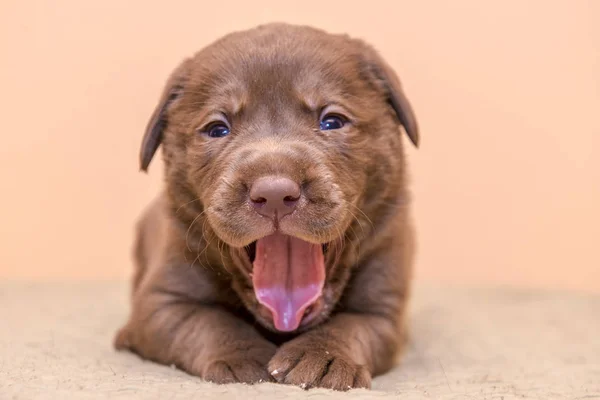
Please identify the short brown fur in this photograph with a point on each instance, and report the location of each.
(193, 303)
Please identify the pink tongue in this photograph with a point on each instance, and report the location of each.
(288, 276)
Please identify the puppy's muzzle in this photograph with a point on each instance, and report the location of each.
(274, 196)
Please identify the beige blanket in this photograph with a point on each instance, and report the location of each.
(467, 343)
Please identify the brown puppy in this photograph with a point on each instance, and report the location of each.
(281, 248)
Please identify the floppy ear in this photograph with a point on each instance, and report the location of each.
(158, 121)
(391, 86)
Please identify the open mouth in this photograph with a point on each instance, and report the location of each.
(288, 275)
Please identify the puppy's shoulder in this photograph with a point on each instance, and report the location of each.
(150, 233)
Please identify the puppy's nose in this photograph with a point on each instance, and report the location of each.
(274, 196)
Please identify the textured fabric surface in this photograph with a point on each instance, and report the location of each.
(466, 343)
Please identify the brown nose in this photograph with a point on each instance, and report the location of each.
(274, 196)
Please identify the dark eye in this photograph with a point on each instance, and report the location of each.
(217, 130)
(331, 122)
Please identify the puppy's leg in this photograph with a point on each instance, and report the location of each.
(361, 341)
(176, 320)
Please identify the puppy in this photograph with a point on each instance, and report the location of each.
(281, 248)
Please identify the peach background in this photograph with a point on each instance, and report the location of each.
(507, 93)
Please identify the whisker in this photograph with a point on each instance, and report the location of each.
(198, 253)
(207, 243)
(338, 245)
(356, 237)
(187, 233)
(221, 251)
(361, 211)
(218, 240)
(193, 262)
(185, 204)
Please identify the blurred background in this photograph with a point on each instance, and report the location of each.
(506, 183)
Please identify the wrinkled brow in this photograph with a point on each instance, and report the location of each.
(229, 96)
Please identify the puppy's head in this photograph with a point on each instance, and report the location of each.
(282, 139)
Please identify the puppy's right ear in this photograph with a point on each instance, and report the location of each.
(158, 121)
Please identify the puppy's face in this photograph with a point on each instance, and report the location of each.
(281, 138)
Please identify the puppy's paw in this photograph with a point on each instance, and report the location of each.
(242, 363)
(236, 369)
(121, 340)
(308, 365)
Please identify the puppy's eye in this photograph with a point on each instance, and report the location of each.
(217, 130)
(332, 121)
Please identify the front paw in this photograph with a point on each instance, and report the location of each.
(239, 367)
(121, 339)
(310, 364)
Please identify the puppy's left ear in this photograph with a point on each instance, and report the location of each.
(390, 84)
(158, 121)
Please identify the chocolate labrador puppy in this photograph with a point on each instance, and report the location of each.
(281, 248)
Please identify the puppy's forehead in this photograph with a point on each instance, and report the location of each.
(276, 63)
